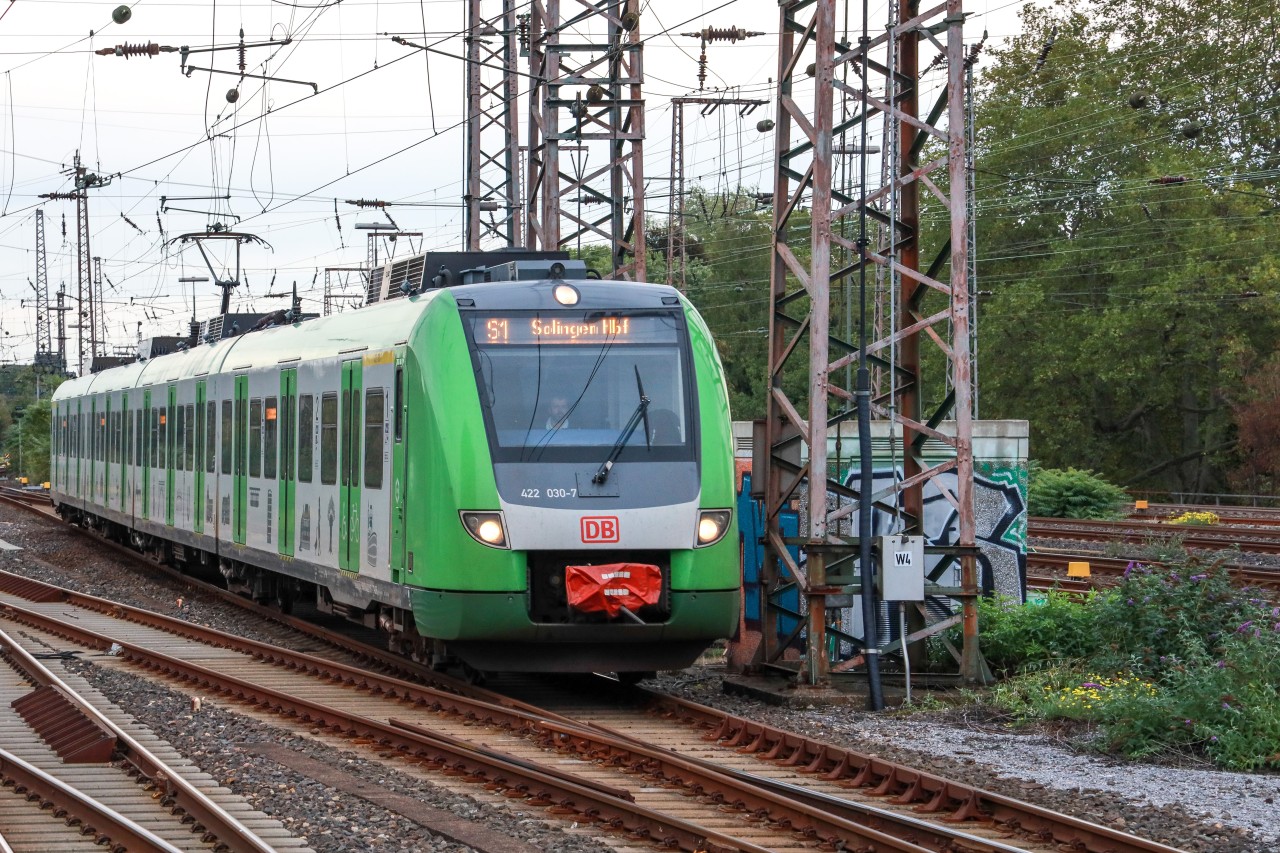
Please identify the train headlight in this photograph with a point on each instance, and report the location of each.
(712, 525)
(486, 528)
(565, 294)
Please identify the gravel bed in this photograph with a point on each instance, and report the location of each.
(223, 743)
(1191, 808)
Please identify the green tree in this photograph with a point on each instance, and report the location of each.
(1124, 232)
(27, 443)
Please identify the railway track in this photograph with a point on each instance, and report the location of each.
(1192, 537)
(693, 793)
(1050, 567)
(75, 778)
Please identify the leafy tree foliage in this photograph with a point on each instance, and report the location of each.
(1072, 493)
(27, 443)
(1126, 185)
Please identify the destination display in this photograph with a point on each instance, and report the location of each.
(539, 329)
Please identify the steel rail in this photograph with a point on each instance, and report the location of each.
(935, 794)
(1265, 541)
(931, 794)
(539, 785)
(664, 764)
(218, 823)
(110, 829)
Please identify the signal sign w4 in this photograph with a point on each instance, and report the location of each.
(600, 528)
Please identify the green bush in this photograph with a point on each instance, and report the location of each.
(1015, 638)
(1072, 493)
(1170, 660)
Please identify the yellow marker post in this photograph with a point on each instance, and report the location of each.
(1077, 570)
(1139, 505)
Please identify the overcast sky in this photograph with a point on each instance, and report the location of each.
(172, 135)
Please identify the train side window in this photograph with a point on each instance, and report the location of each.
(180, 429)
(255, 438)
(189, 438)
(127, 439)
(329, 439)
(171, 436)
(288, 435)
(242, 444)
(117, 437)
(375, 418)
(269, 440)
(210, 435)
(306, 436)
(398, 404)
(226, 436)
(155, 437)
(139, 430)
(200, 430)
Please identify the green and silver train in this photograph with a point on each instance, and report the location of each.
(526, 470)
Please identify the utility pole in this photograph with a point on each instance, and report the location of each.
(587, 91)
(95, 298)
(806, 161)
(44, 341)
(493, 131)
(331, 298)
(84, 180)
(62, 310)
(709, 106)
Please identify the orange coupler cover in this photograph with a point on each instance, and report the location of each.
(611, 587)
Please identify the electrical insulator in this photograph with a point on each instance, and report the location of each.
(1138, 100)
(121, 14)
(764, 125)
(630, 20)
(233, 95)
(1191, 128)
(595, 94)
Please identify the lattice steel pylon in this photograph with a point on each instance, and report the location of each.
(927, 309)
(587, 92)
(45, 356)
(493, 144)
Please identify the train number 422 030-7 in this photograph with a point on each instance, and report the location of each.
(548, 493)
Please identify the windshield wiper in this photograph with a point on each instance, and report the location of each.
(641, 413)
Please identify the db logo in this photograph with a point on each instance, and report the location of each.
(600, 528)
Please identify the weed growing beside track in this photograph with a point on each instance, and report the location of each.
(1174, 660)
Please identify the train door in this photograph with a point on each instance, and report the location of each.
(123, 434)
(350, 466)
(79, 447)
(172, 446)
(240, 473)
(288, 458)
(91, 493)
(148, 449)
(197, 469)
(399, 455)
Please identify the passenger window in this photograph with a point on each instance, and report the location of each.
(226, 436)
(242, 444)
(269, 439)
(255, 438)
(189, 438)
(156, 437)
(139, 432)
(329, 439)
(210, 435)
(179, 432)
(306, 435)
(398, 403)
(200, 430)
(374, 421)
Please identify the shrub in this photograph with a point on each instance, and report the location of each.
(1073, 493)
(1172, 659)
(1015, 638)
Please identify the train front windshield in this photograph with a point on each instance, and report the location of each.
(569, 385)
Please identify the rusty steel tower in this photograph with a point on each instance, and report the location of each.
(586, 131)
(816, 224)
(493, 204)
